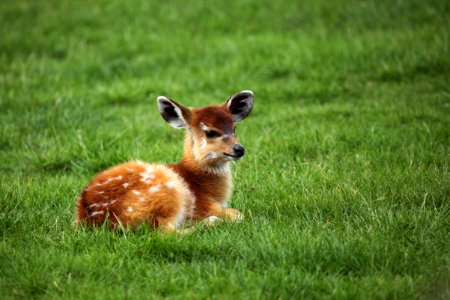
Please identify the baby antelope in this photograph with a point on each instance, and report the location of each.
(165, 196)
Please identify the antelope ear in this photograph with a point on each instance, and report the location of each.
(175, 114)
(240, 105)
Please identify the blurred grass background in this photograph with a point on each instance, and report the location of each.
(345, 186)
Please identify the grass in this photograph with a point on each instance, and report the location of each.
(345, 187)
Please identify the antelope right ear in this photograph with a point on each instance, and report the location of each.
(175, 114)
(240, 105)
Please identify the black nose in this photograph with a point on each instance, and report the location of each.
(238, 150)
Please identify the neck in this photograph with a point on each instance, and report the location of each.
(207, 182)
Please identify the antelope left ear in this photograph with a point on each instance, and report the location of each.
(175, 114)
(240, 105)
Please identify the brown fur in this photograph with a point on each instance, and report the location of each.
(197, 187)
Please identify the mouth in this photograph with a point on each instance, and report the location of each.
(232, 156)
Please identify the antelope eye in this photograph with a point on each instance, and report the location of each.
(211, 133)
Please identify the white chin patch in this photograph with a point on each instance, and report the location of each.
(220, 169)
(212, 155)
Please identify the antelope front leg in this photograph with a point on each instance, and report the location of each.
(232, 214)
(229, 214)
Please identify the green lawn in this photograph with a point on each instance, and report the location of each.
(345, 185)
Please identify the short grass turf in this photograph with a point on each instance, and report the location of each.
(345, 186)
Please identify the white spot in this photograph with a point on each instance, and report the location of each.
(96, 213)
(101, 192)
(147, 177)
(141, 199)
(103, 204)
(108, 180)
(155, 188)
(150, 169)
(203, 143)
(125, 185)
(203, 126)
(136, 192)
(130, 209)
(170, 184)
